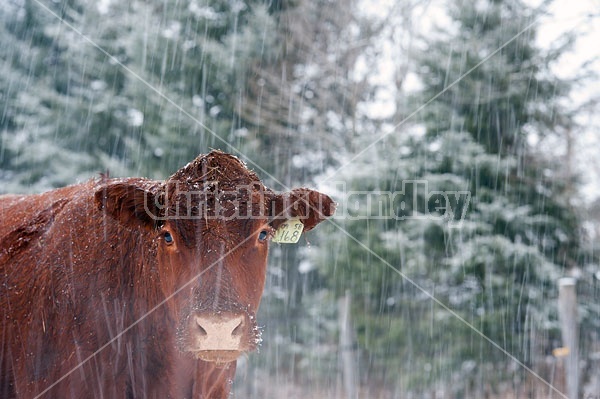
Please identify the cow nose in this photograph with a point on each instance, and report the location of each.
(218, 332)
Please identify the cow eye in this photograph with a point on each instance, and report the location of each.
(168, 237)
(263, 235)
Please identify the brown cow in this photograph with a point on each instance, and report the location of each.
(134, 288)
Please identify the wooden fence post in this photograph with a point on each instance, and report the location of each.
(567, 314)
(347, 357)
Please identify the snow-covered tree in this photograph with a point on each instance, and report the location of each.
(131, 87)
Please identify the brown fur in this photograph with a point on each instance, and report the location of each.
(94, 302)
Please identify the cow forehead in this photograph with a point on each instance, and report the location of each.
(211, 201)
(221, 235)
(215, 195)
(214, 186)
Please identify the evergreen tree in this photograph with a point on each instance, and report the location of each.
(153, 85)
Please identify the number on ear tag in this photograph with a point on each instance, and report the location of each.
(289, 232)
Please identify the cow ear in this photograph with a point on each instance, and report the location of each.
(131, 204)
(310, 206)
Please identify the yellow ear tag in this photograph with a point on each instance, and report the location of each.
(289, 232)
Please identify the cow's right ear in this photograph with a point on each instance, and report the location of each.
(131, 204)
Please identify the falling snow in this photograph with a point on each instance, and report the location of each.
(417, 102)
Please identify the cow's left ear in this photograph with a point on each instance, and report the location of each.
(310, 206)
(130, 203)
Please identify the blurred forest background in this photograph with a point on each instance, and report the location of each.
(296, 88)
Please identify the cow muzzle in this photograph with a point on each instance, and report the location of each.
(219, 338)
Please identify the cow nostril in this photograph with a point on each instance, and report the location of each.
(238, 330)
(201, 329)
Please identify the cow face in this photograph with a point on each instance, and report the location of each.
(212, 222)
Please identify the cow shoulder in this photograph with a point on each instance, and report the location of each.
(26, 219)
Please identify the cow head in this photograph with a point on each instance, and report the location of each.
(212, 222)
